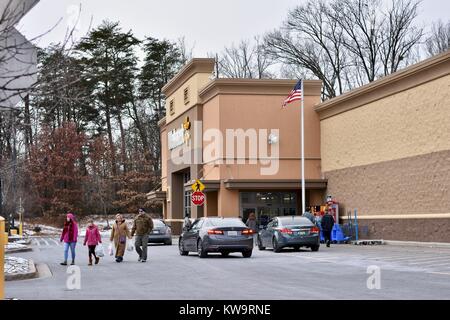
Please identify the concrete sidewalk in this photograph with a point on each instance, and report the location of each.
(418, 244)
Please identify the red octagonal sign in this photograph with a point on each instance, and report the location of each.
(198, 198)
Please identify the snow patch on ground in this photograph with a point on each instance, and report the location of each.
(15, 246)
(15, 265)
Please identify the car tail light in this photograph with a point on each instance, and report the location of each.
(315, 230)
(286, 230)
(247, 232)
(212, 231)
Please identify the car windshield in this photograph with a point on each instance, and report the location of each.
(295, 222)
(226, 222)
(158, 223)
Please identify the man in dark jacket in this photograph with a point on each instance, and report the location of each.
(327, 224)
(142, 226)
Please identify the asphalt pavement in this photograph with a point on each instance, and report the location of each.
(339, 272)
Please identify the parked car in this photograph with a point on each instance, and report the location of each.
(161, 233)
(217, 234)
(289, 231)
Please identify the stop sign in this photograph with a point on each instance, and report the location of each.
(198, 198)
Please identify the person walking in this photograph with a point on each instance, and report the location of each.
(327, 224)
(92, 239)
(142, 226)
(69, 236)
(186, 222)
(253, 225)
(119, 235)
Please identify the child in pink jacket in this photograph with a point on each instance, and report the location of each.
(92, 238)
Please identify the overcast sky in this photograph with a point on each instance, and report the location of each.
(208, 24)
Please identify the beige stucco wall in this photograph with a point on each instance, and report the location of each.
(264, 112)
(411, 123)
(194, 83)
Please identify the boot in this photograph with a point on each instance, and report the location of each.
(90, 261)
(97, 259)
(63, 263)
(73, 263)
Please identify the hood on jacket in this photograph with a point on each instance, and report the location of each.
(71, 217)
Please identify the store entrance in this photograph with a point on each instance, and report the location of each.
(267, 205)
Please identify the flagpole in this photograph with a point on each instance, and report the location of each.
(303, 149)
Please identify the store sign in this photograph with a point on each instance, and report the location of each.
(175, 138)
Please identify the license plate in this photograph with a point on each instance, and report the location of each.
(302, 233)
(156, 231)
(232, 233)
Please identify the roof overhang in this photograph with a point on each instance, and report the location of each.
(157, 196)
(235, 184)
(210, 185)
(232, 86)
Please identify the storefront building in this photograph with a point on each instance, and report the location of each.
(382, 149)
(385, 150)
(233, 135)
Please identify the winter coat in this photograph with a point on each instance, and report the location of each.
(92, 237)
(70, 231)
(327, 222)
(120, 229)
(142, 225)
(252, 224)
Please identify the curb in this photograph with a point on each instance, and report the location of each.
(418, 244)
(18, 250)
(22, 276)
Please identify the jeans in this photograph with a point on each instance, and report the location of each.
(141, 241)
(70, 245)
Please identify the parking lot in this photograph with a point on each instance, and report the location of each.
(339, 272)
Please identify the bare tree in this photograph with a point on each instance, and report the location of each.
(439, 40)
(245, 60)
(346, 43)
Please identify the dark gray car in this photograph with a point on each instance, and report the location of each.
(216, 234)
(161, 233)
(289, 231)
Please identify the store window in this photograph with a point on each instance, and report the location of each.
(267, 205)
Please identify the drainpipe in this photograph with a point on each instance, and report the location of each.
(356, 225)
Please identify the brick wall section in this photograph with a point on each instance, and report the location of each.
(428, 230)
(415, 185)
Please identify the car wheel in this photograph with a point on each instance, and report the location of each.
(181, 248)
(200, 250)
(225, 254)
(276, 247)
(315, 248)
(247, 254)
(296, 248)
(260, 246)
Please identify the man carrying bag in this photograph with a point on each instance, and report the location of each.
(142, 226)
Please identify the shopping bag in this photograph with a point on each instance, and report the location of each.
(99, 251)
(111, 249)
(130, 245)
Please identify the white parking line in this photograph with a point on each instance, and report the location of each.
(36, 242)
(56, 242)
(431, 264)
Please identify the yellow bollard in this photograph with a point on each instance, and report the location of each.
(3, 241)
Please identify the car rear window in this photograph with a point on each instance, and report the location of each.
(296, 221)
(158, 223)
(226, 222)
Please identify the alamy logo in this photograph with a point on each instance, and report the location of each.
(374, 280)
(235, 146)
(74, 280)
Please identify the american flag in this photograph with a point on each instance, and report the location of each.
(296, 94)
